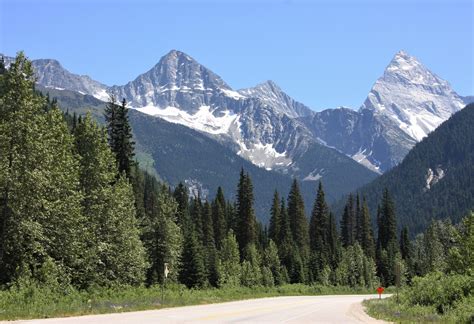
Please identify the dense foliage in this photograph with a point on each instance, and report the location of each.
(77, 213)
(448, 154)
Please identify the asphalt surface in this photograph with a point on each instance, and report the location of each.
(298, 309)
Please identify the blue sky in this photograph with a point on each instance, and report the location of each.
(323, 53)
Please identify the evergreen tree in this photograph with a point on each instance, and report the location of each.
(192, 272)
(161, 236)
(181, 196)
(348, 223)
(319, 235)
(366, 240)
(298, 222)
(196, 217)
(387, 243)
(219, 217)
(406, 252)
(334, 245)
(120, 134)
(246, 221)
(274, 228)
(271, 260)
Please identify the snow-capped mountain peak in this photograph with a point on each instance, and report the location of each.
(412, 96)
(272, 95)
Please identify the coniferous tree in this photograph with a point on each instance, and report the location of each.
(196, 217)
(348, 223)
(192, 271)
(246, 221)
(274, 228)
(219, 217)
(181, 196)
(387, 243)
(319, 235)
(298, 222)
(366, 240)
(120, 134)
(334, 245)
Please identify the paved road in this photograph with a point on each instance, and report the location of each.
(301, 309)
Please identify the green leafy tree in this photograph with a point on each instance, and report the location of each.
(40, 217)
(229, 262)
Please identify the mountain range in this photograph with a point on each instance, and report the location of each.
(344, 148)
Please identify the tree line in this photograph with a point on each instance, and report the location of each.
(77, 211)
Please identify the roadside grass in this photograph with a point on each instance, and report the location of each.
(35, 302)
(388, 309)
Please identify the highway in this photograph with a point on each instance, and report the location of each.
(297, 309)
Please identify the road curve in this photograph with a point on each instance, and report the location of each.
(297, 309)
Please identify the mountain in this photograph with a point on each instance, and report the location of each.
(272, 95)
(436, 178)
(403, 106)
(269, 128)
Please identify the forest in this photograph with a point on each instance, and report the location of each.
(78, 214)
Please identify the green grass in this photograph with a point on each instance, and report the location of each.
(30, 302)
(388, 309)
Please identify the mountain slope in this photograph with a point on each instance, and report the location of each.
(436, 179)
(403, 106)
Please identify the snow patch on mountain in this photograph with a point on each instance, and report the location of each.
(203, 120)
(314, 175)
(263, 155)
(367, 160)
(433, 177)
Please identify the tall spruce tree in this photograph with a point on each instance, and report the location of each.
(181, 196)
(120, 134)
(219, 218)
(192, 270)
(246, 221)
(319, 235)
(298, 221)
(348, 223)
(275, 218)
(366, 237)
(387, 243)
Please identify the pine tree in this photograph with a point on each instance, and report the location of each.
(348, 223)
(387, 243)
(219, 217)
(298, 221)
(192, 272)
(246, 221)
(120, 134)
(366, 240)
(181, 196)
(319, 235)
(274, 228)
(196, 217)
